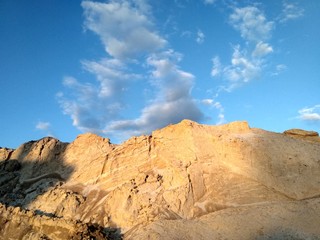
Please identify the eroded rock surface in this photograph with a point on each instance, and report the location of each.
(17, 223)
(5, 153)
(198, 175)
(277, 220)
(303, 134)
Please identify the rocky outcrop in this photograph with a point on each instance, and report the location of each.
(303, 134)
(5, 153)
(186, 173)
(17, 223)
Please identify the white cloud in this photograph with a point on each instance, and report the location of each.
(126, 33)
(207, 101)
(243, 69)
(262, 49)
(131, 41)
(217, 105)
(221, 119)
(216, 67)
(123, 27)
(251, 23)
(209, 1)
(279, 69)
(81, 104)
(200, 37)
(85, 105)
(172, 103)
(143, 6)
(247, 62)
(45, 126)
(157, 115)
(290, 11)
(310, 114)
(112, 75)
(82, 91)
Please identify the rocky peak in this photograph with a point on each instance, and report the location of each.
(44, 149)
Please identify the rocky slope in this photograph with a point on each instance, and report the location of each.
(185, 181)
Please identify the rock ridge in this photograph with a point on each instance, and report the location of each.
(187, 173)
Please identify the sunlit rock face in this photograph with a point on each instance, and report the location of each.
(186, 181)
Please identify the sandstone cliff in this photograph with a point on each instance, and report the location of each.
(185, 181)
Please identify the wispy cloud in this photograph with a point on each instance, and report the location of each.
(207, 101)
(209, 1)
(113, 76)
(216, 105)
(172, 103)
(186, 34)
(81, 103)
(310, 114)
(251, 23)
(262, 49)
(290, 11)
(279, 69)
(200, 37)
(246, 62)
(45, 126)
(244, 67)
(131, 42)
(216, 67)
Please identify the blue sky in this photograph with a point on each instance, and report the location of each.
(123, 68)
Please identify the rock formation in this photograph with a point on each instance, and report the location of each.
(185, 181)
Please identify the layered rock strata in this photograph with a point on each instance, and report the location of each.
(184, 174)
